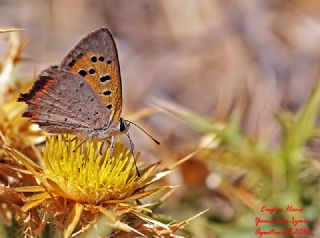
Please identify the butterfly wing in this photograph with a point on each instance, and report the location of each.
(95, 59)
(63, 102)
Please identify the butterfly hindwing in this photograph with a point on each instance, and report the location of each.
(61, 101)
(95, 59)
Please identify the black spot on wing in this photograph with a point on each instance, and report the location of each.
(71, 63)
(107, 93)
(104, 78)
(83, 73)
(92, 71)
(80, 55)
(94, 59)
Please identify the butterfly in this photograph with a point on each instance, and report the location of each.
(82, 95)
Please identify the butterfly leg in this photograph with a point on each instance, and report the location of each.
(71, 139)
(113, 140)
(101, 149)
(132, 152)
(77, 147)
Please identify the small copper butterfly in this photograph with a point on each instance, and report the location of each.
(82, 95)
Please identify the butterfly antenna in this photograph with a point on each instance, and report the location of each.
(132, 148)
(157, 142)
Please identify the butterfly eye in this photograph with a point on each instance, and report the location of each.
(122, 127)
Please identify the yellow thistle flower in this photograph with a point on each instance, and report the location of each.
(72, 188)
(20, 135)
(85, 175)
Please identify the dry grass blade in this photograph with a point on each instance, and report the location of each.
(142, 113)
(2, 30)
(200, 122)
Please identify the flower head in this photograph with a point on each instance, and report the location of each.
(86, 174)
(78, 185)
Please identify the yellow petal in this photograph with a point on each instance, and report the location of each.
(40, 196)
(30, 189)
(31, 204)
(77, 211)
(139, 195)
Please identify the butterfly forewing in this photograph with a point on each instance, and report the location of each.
(95, 59)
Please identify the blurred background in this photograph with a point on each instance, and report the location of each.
(208, 56)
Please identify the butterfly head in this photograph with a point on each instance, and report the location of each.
(123, 125)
